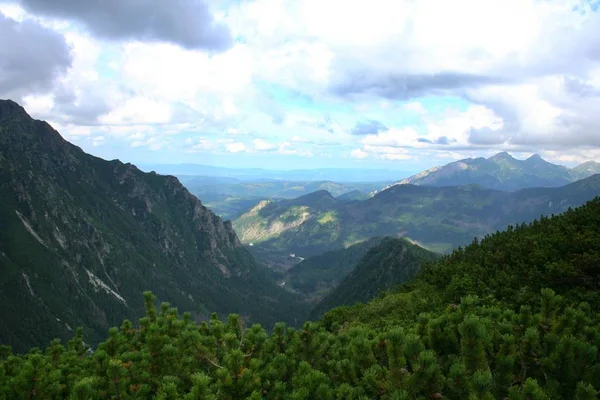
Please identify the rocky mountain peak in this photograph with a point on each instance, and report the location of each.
(535, 157)
(502, 156)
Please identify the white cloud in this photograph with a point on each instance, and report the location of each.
(139, 110)
(359, 153)
(415, 106)
(201, 144)
(296, 84)
(13, 11)
(392, 138)
(153, 143)
(395, 156)
(288, 148)
(176, 74)
(263, 145)
(235, 147)
(96, 141)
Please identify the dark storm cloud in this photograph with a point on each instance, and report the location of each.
(188, 23)
(405, 86)
(368, 127)
(31, 57)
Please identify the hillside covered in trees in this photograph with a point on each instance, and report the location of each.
(391, 262)
(513, 316)
(316, 276)
(81, 238)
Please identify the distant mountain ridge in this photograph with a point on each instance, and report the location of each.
(438, 218)
(253, 174)
(230, 197)
(81, 238)
(586, 169)
(502, 172)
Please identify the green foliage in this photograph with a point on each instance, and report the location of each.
(391, 262)
(316, 276)
(472, 351)
(486, 322)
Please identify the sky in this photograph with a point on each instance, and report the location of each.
(398, 84)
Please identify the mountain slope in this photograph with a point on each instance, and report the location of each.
(502, 172)
(438, 218)
(508, 268)
(316, 276)
(269, 219)
(586, 169)
(391, 262)
(353, 195)
(81, 238)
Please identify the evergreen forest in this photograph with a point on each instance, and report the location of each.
(512, 316)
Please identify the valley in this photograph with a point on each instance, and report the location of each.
(299, 200)
(312, 234)
(101, 232)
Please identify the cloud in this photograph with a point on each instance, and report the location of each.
(416, 107)
(202, 144)
(271, 107)
(414, 83)
(368, 127)
(401, 86)
(543, 113)
(32, 57)
(78, 108)
(401, 55)
(263, 145)
(188, 23)
(443, 140)
(139, 110)
(287, 148)
(235, 147)
(359, 153)
(387, 152)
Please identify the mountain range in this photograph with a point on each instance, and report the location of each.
(503, 172)
(229, 197)
(437, 218)
(82, 238)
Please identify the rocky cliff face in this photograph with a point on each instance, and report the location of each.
(81, 238)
